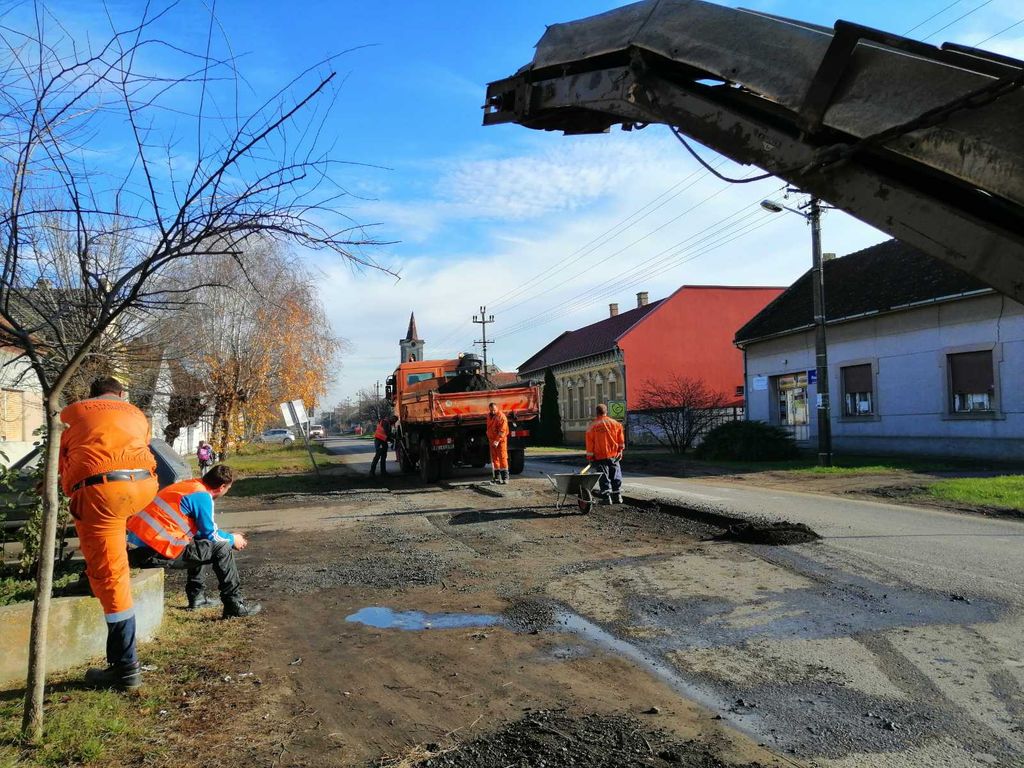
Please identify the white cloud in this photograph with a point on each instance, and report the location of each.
(618, 176)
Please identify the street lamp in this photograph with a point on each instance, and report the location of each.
(812, 214)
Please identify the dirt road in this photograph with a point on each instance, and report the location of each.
(625, 637)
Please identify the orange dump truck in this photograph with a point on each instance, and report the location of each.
(441, 407)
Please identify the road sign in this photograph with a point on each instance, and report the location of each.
(617, 409)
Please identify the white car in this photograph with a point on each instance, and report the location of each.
(282, 436)
(317, 432)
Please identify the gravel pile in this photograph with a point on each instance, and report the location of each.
(558, 740)
(529, 615)
(415, 567)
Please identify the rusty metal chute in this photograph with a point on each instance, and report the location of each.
(922, 142)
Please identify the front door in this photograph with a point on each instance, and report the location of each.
(793, 411)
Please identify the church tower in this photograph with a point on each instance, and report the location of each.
(412, 345)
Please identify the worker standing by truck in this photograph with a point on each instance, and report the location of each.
(497, 436)
(381, 439)
(109, 473)
(606, 441)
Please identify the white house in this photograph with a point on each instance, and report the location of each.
(922, 358)
(21, 405)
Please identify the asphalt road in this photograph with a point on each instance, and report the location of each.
(895, 640)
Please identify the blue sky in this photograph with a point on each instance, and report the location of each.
(477, 212)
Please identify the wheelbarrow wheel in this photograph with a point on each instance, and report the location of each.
(585, 500)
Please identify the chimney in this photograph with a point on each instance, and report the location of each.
(613, 310)
(827, 256)
(641, 299)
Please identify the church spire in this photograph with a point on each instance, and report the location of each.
(412, 334)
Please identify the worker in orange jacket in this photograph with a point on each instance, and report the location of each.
(108, 473)
(178, 530)
(606, 441)
(497, 439)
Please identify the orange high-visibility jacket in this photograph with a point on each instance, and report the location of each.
(162, 525)
(605, 439)
(102, 435)
(497, 426)
(382, 432)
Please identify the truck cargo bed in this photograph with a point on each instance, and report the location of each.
(463, 407)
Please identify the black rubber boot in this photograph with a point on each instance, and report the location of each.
(238, 608)
(119, 676)
(504, 477)
(195, 602)
(616, 498)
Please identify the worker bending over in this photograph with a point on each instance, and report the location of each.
(108, 473)
(178, 530)
(606, 440)
(497, 438)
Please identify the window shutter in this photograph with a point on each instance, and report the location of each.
(971, 372)
(857, 378)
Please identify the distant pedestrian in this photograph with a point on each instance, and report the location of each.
(381, 441)
(206, 456)
(497, 436)
(606, 441)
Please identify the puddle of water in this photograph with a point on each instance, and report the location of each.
(387, 618)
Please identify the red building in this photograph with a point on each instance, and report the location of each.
(688, 334)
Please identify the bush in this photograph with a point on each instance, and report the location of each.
(747, 441)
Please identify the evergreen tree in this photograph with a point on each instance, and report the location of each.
(550, 420)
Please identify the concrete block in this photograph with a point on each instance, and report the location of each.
(77, 632)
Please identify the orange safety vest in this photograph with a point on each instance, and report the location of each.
(381, 433)
(162, 525)
(497, 426)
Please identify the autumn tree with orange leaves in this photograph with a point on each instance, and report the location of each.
(255, 337)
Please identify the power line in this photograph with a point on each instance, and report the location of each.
(997, 34)
(933, 16)
(762, 222)
(958, 18)
(717, 229)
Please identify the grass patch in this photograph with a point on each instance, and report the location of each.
(18, 587)
(541, 450)
(184, 701)
(1003, 491)
(269, 459)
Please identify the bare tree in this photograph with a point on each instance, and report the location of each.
(112, 175)
(372, 408)
(676, 410)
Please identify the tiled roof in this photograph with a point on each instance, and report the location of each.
(884, 277)
(589, 340)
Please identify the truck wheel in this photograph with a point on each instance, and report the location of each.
(430, 467)
(516, 461)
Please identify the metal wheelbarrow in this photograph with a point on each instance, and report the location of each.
(580, 485)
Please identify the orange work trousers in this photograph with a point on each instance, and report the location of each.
(100, 513)
(499, 455)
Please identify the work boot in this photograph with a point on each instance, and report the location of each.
(238, 608)
(504, 477)
(616, 498)
(195, 602)
(495, 480)
(123, 677)
(373, 473)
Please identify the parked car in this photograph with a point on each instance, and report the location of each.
(170, 468)
(283, 436)
(317, 432)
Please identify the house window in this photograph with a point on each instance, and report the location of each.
(611, 389)
(583, 403)
(569, 408)
(600, 393)
(739, 390)
(972, 384)
(858, 390)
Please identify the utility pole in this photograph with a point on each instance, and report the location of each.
(820, 341)
(483, 320)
